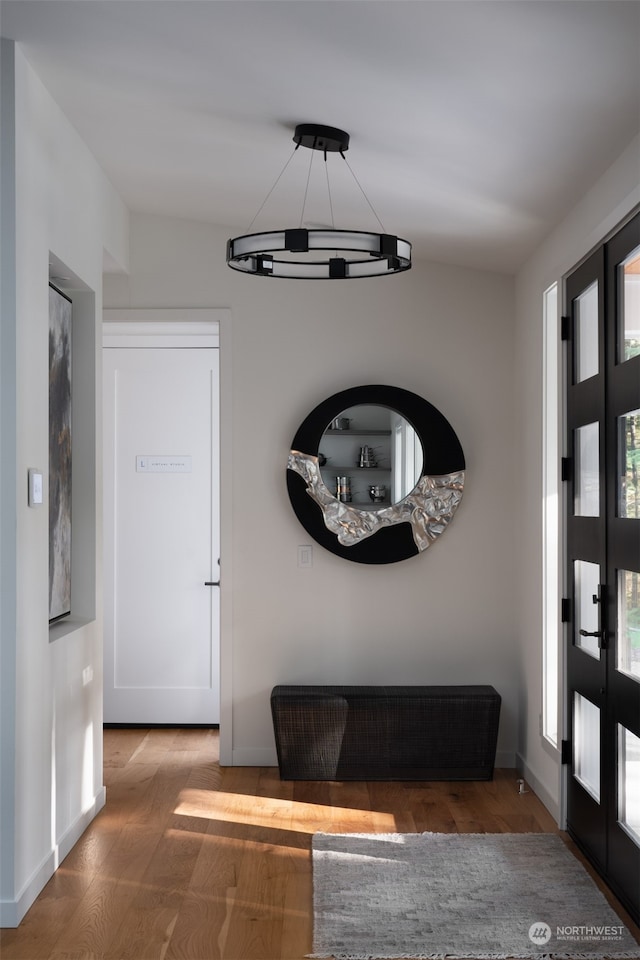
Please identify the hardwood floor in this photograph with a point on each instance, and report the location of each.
(193, 861)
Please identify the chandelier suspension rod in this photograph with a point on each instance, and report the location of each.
(326, 170)
(306, 189)
(277, 181)
(362, 192)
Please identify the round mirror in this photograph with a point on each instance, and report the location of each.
(371, 456)
(375, 474)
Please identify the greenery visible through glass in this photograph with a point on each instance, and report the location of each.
(629, 277)
(629, 623)
(629, 482)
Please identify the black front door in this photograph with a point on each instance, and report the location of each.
(603, 556)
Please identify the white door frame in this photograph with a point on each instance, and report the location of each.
(210, 327)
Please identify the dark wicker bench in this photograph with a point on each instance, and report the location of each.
(385, 733)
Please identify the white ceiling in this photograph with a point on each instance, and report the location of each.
(475, 124)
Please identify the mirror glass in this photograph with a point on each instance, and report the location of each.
(370, 456)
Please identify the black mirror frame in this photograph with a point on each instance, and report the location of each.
(442, 455)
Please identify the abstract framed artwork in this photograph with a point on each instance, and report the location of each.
(60, 321)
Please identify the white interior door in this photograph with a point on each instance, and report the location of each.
(161, 495)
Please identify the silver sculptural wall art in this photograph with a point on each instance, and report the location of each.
(375, 474)
(429, 508)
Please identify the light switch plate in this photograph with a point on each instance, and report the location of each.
(35, 487)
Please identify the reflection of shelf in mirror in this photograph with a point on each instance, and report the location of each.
(345, 470)
(359, 433)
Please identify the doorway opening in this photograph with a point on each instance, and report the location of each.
(162, 524)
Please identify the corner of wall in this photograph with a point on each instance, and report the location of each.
(50, 714)
(8, 491)
(539, 788)
(115, 231)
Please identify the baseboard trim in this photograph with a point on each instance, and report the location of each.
(73, 833)
(267, 757)
(160, 726)
(538, 788)
(13, 911)
(254, 757)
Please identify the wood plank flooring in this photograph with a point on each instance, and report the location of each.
(191, 861)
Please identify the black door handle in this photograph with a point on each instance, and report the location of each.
(596, 633)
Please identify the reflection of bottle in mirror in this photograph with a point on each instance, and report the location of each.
(343, 489)
(377, 492)
(367, 457)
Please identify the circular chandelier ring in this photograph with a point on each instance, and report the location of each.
(254, 254)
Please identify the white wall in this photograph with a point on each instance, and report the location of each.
(51, 759)
(446, 616)
(606, 204)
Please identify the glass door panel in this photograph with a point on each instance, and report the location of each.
(586, 745)
(629, 782)
(587, 600)
(629, 300)
(587, 467)
(586, 333)
(628, 626)
(629, 479)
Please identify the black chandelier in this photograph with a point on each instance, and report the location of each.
(269, 254)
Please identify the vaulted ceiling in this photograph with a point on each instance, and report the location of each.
(475, 125)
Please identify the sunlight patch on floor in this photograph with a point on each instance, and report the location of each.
(269, 812)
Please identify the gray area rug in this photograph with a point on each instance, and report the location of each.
(471, 896)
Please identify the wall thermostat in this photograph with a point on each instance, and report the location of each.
(35, 487)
